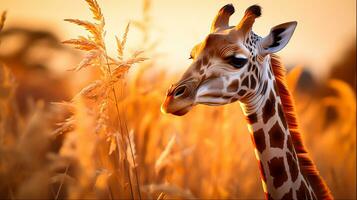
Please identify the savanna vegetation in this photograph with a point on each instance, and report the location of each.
(107, 139)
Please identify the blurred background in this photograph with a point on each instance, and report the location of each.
(176, 156)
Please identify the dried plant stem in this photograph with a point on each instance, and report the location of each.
(120, 121)
(110, 192)
(132, 153)
(60, 187)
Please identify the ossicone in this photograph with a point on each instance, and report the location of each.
(246, 24)
(221, 21)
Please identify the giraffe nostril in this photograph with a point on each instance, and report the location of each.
(180, 91)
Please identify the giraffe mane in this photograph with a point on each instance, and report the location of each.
(307, 167)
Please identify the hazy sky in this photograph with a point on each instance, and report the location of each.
(325, 27)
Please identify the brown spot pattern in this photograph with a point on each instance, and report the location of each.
(233, 99)
(313, 196)
(252, 118)
(276, 136)
(281, 115)
(291, 147)
(290, 144)
(259, 140)
(288, 196)
(253, 82)
(277, 171)
(242, 92)
(269, 108)
(302, 193)
(245, 82)
(293, 167)
(233, 87)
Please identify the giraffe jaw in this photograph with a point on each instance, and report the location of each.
(179, 112)
(182, 111)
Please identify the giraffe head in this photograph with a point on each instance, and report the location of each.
(228, 64)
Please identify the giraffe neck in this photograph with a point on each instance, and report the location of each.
(280, 171)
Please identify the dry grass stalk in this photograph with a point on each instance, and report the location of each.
(210, 155)
(121, 44)
(163, 159)
(97, 94)
(2, 20)
(172, 191)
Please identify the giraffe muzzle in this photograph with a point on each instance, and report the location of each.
(179, 99)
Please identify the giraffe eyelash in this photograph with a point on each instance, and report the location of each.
(237, 61)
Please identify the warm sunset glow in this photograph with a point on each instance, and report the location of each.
(178, 25)
(104, 99)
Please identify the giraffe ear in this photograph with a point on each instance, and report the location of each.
(278, 37)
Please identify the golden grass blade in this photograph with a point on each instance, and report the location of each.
(96, 11)
(121, 44)
(7, 82)
(86, 24)
(102, 178)
(113, 145)
(139, 25)
(61, 183)
(62, 177)
(94, 29)
(88, 60)
(119, 48)
(123, 40)
(132, 61)
(162, 160)
(123, 67)
(2, 20)
(93, 90)
(161, 196)
(118, 72)
(65, 104)
(137, 53)
(172, 191)
(64, 127)
(82, 43)
(130, 151)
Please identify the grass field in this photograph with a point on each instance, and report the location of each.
(111, 141)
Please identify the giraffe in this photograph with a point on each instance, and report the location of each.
(234, 64)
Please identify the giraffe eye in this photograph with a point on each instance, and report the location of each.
(237, 62)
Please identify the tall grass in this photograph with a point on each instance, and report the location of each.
(116, 144)
(99, 98)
